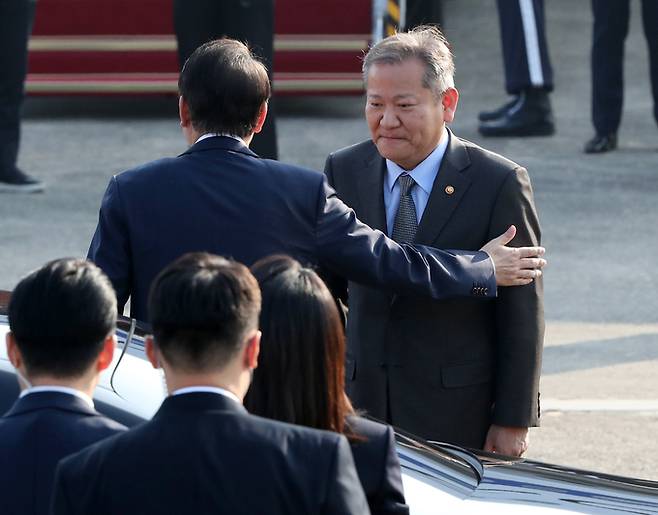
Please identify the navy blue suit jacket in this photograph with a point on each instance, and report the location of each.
(220, 197)
(378, 466)
(203, 453)
(39, 430)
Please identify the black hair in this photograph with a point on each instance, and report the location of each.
(202, 308)
(225, 87)
(60, 316)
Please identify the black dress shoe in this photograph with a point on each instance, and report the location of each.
(530, 115)
(601, 143)
(16, 181)
(485, 116)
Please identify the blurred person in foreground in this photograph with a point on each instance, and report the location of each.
(218, 196)
(62, 319)
(16, 18)
(202, 452)
(301, 379)
(457, 370)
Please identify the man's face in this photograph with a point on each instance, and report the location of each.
(405, 118)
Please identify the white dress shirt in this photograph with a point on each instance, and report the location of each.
(206, 389)
(60, 389)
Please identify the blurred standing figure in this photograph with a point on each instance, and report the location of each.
(528, 73)
(16, 17)
(303, 332)
(423, 12)
(610, 29)
(250, 21)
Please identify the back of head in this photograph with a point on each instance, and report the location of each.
(225, 87)
(60, 316)
(202, 307)
(425, 43)
(300, 377)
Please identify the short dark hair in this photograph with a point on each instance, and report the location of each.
(300, 376)
(224, 86)
(202, 308)
(60, 315)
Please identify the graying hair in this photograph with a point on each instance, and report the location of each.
(425, 43)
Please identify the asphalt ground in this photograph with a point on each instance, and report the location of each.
(599, 216)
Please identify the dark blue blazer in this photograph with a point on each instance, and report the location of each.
(39, 430)
(220, 197)
(378, 466)
(203, 453)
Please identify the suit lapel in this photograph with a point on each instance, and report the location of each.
(371, 191)
(449, 187)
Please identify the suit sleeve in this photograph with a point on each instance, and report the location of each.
(345, 495)
(353, 250)
(390, 496)
(519, 313)
(110, 245)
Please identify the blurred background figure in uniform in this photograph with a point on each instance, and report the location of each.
(250, 21)
(16, 17)
(610, 30)
(528, 73)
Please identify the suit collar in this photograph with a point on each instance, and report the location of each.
(370, 186)
(177, 405)
(220, 143)
(449, 187)
(50, 400)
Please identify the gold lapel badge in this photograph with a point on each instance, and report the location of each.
(450, 190)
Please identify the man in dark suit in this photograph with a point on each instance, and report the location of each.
(62, 319)
(219, 196)
(202, 452)
(458, 371)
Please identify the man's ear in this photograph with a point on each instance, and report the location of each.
(261, 118)
(105, 357)
(184, 113)
(13, 352)
(151, 351)
(251, 351)
(449, 101)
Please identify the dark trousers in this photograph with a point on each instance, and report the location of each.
(16, 18)
(525, 53)
(611, 19)
(421, 12)
(250, 21)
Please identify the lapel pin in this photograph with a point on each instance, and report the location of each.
(450, 190)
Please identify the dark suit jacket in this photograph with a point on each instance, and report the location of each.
(203, 453)
(450, 368)
(378, 466)
(39, 430)
(220, 197)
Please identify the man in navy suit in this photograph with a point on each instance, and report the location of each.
(202, 452)
(219, 197)
(62, 319)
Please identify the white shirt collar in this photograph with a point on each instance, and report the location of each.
(206, 389)
(60, 389)
(215, 134)
(425, 172)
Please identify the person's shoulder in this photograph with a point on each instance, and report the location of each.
(363, 150)
(104, 424)
(147, 171)
(480, 156)
(367, 428)
(277, 430)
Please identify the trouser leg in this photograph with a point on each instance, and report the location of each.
(650, 22)
(251, 21)
(525, 52)
(610, 30)
(16, 18)
(421, 12)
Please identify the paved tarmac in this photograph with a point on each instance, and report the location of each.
(599, 216)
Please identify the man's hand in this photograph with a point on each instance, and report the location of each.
(515, 266)
(511, 441)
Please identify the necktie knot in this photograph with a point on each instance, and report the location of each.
(406, 182)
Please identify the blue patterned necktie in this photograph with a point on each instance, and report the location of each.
(406, 224)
